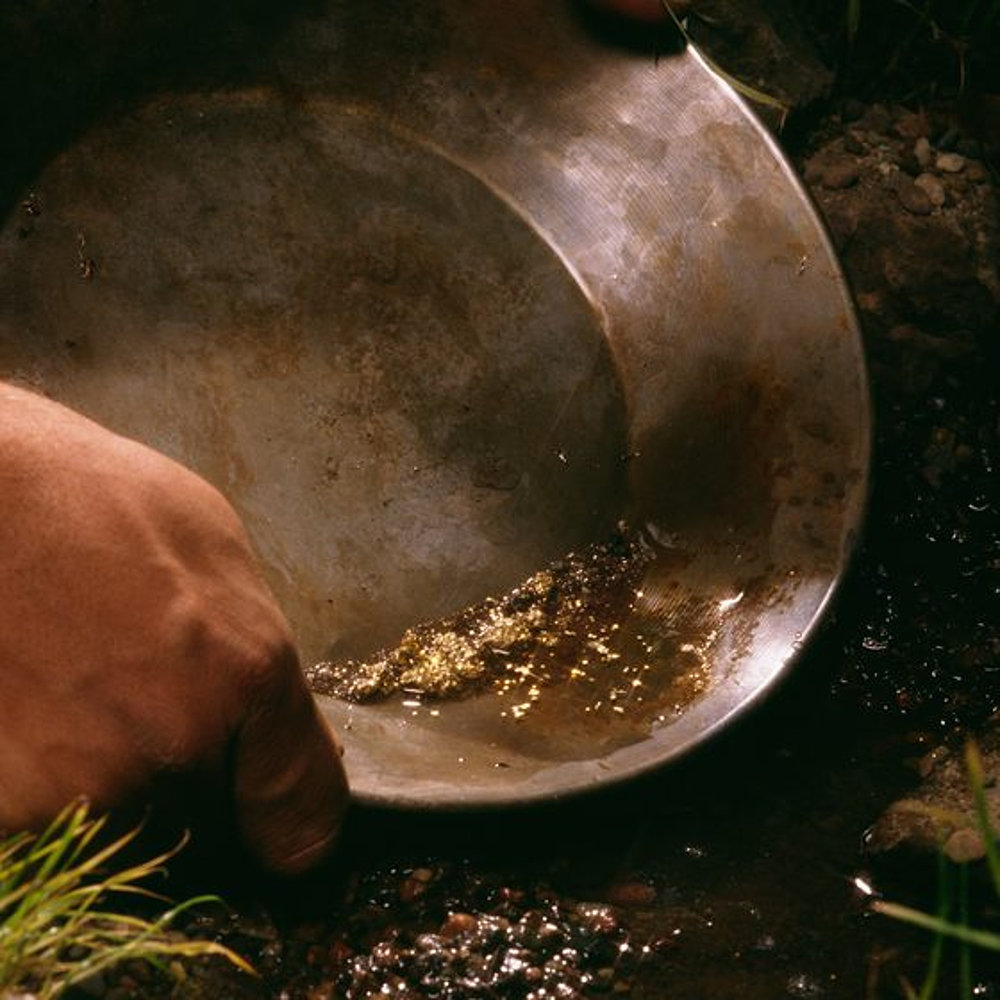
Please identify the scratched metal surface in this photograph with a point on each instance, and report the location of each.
(440, 298)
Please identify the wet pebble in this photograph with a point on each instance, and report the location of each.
(914, 199)
(415, 884)
(910, 125)
(597, 918)
(632, 894)
(457, 923)
(528, 947)
(840, 174)
(802, 986)
(933, 188)
(923, 152)
(950, 163)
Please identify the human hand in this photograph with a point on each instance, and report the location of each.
(140, 648)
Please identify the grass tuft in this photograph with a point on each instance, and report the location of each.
(61, 898)
(941, 924)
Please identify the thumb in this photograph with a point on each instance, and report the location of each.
(290, 786)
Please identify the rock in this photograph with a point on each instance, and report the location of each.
(458, 923)
(911, 125)
(942, 808)
(842, 221)
(923, 152)
(812, 171)
(933, 188)
(914, 199)
(950, 163)
(840, 174)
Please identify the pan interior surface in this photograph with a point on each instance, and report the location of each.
(438, 339)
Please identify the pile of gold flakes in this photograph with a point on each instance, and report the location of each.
(559, 625)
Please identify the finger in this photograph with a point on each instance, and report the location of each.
(291, 788)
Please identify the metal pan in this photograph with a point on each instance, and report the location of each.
(451, 290)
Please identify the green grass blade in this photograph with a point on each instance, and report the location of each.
(977, 778)
(853, 20)
(964, 948)
(929, 986)
(759, 96)
(55, 890)
(974, 936)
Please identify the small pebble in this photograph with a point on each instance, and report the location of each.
(910, 125)
(914, 199)
(923, 152)
(804, 987)
(636, 894)
(950, 163)
(411, 889)
(597, 918)
(841, 174)
(457, 923)
(933, 188)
